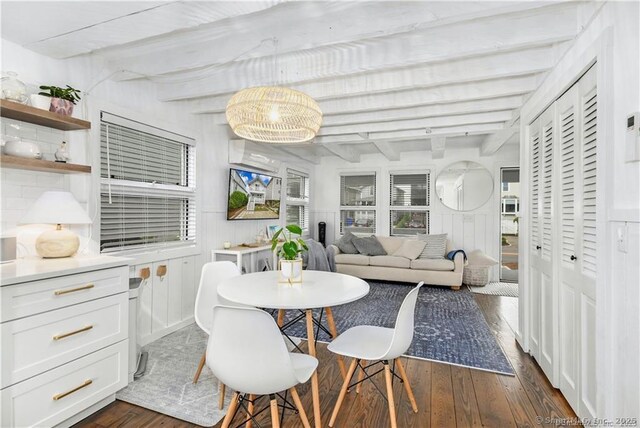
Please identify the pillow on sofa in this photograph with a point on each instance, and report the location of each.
(410, 249)
(369, 246)
(436, 246)
(345, 243)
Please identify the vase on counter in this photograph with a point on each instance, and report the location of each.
(60, 106)
(40, 101)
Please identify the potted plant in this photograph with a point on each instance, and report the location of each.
(290, 251)
(62, 99)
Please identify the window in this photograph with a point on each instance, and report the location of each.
(358, 203)
(510, 206)
(298, 199)
(409, 196)
(147, 192)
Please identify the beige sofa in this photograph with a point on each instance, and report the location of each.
(442, 272)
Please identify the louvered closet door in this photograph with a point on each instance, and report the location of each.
(546, 254)
(586, 263)
(569, 123)
(536, 238)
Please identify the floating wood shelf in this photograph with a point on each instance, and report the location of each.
(43, 165)
(25, 113)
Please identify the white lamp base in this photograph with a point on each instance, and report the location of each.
(57, 243)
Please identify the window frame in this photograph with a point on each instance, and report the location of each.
(109, 187)
(426, 209)
(368, 208)
(299, 202)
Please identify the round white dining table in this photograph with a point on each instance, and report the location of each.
(318, 289)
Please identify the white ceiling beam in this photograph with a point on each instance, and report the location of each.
(387, 149)
(478, 105)
(325, 24)
(478, 67)
(122, 25)
(434, 122)
(410, 48)
(437, 147)
(494, 141)
(343, 152)
(447, 94)
(453, 131)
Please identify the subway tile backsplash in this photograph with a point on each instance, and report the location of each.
(19, 189)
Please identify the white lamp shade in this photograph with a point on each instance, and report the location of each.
(56, 208)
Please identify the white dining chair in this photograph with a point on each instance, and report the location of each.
(247, 353)
(367, 343)
(213, 273)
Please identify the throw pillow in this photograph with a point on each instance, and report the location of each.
(369, 246)
(345, 244)
(410, 249)
(436, 246)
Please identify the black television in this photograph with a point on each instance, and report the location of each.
(253, 196)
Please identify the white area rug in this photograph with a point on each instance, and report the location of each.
(167, 386)
(507, 289)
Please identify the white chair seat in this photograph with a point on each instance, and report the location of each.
(366, 342)
(303, 366)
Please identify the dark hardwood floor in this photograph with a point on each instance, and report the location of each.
(447, 395)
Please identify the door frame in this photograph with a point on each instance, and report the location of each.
(500, 216)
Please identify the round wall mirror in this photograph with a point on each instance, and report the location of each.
(464, 186)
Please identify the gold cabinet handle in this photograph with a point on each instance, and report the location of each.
(73, 290)
(71, 333)
(71, 391)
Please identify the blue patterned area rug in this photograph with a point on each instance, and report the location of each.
(450, 327)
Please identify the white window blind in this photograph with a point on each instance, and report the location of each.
(297, 199)
(147, 196)
(358, 203)
(409, 197)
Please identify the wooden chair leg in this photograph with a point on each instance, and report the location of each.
(334, 333)
(343, 391)
(223, 390)
(300, 407)
(200, 366)
(250, 411)
(280, 317)
(407, 386)
(231, 412)
(360, 376)
(275, 419)
(392, 404)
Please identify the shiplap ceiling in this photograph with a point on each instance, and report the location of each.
(390, 77)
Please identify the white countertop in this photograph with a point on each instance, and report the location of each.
(34, 268)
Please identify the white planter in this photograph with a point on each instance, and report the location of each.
(291, 270)
(40, 101)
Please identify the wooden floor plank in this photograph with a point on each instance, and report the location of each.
(443, 412)
(464, 394)
(447, 396)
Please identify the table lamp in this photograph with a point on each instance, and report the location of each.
(57, 208)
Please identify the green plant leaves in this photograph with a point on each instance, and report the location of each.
(69, 94)
(294, 228)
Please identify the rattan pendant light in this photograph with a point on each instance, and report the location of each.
(274, 114)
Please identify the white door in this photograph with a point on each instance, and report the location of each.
(586, 263)
(536, 241)
(569, 316)
(546, 254)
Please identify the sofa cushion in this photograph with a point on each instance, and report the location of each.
(436, 246)
(390, 243)
(390, 261)
(369, 246)
(433, 264)
(345, 244)
(410, 248)
(352, 259)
